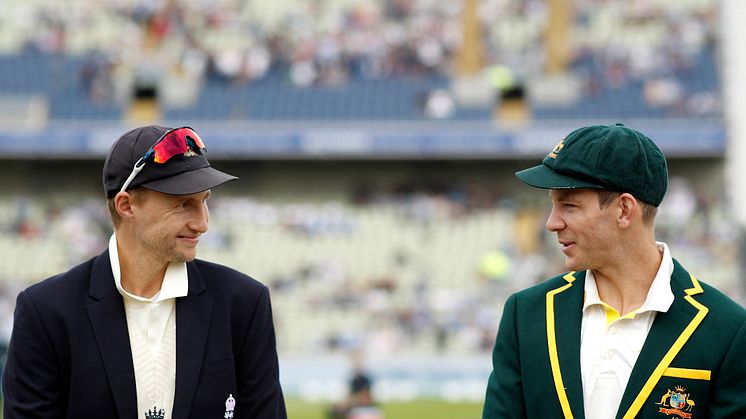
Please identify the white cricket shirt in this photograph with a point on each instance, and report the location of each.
(610, 344)
(151, 323)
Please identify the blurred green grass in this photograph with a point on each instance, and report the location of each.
(430, 409)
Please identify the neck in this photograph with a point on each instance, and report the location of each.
(625, 284)
(141, 273)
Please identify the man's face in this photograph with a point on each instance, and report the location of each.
(169, 226)
(586, 232)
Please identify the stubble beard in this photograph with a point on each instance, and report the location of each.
(166, 250)
(574, 263)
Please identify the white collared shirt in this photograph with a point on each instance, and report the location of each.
(610, 344)
(151, 323)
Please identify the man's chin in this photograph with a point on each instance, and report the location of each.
(574, 265)
(184, 257)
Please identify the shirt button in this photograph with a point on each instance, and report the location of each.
(608, 355)
(612, 330)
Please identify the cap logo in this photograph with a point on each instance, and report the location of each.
(191, 144)
(557, 148)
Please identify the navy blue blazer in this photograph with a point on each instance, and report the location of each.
(70, 357)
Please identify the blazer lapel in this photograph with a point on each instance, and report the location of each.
(564, 308)
(669, 333)
(193, 314)
(109, 323)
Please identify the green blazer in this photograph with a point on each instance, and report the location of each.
(692, 365)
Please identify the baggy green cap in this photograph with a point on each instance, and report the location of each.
(612, 157)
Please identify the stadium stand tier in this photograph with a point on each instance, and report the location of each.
(364, 257)
(376, 142)
(379, 60)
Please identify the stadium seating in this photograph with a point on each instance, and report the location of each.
(405, 274)
(377, 60)
(413, 280)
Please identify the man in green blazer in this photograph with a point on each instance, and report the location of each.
(628, 332)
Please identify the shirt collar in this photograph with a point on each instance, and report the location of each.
(175, 280)
(659, 298)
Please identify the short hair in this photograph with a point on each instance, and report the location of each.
(113, 214)
(116, 219)
(649, 211)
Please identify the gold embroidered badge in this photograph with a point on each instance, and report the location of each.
(674, 401)
(557, 148)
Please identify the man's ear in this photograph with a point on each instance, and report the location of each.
(629, 207)
(123, 202)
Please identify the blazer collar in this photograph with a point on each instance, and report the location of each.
(193, 314)
(106, 312)
(564, 316)
(109, 323)
(669, 333)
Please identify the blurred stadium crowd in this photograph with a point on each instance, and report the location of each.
(414, 269)
(370, 59)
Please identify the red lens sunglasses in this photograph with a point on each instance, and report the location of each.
(172, 142)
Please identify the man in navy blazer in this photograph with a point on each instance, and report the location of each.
(145, 330)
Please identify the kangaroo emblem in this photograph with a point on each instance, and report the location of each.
(664, 398)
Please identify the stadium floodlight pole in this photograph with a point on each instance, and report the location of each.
(732, 13)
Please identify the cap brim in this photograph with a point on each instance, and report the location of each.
(545, 178)
(190, 182)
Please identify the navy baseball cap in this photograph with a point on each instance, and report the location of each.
(168, 160)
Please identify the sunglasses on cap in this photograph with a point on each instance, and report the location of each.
(173, 142)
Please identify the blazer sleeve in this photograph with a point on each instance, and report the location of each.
(728, 394)
(31, 382)
(504, 397)
(258, 368)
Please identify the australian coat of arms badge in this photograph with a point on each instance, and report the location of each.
(676, 402)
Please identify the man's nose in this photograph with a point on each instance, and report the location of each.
(201, 219)
(554, 222)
